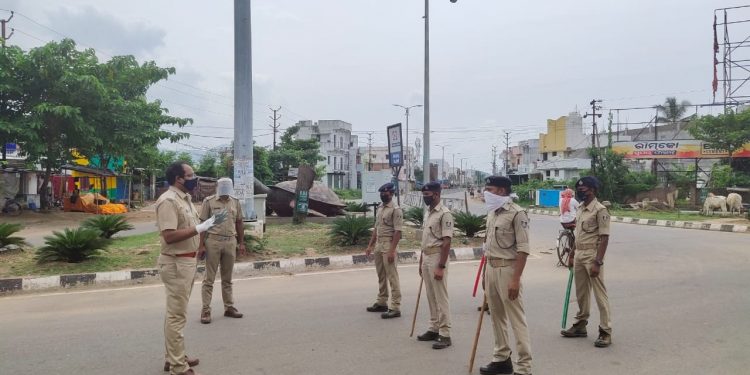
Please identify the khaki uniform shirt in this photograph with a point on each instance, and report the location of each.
(507, 232)
(174, 210)
(212, 205)
(389, 220)
(438, 223)
(593, 221)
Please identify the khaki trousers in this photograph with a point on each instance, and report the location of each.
(219, 253)
(503, 309)
(387, 274)
(177, 274)
(583, 261)
(437, 295)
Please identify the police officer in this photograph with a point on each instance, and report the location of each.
(437, 231)
(587, 258)
(385, 238)
(219, 245)
(507, 247)
(179, 228)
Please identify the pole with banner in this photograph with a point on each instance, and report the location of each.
(396, 154)
(305, 180)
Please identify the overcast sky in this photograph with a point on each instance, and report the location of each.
(495, 65)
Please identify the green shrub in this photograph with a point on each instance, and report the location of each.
(349, 230)
(346, 194)
(72, 246)
(469, 223)
(107, 225)
(357, 207)
(415, 215)
(254, 243)
(6, 235)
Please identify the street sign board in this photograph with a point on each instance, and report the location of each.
(395, 146)
(302, 201)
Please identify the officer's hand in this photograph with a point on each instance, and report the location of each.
(206, 225)
(420, 269)
(438, 274)
(242, 250)
(220, 217)
(570, 261)
(513, 287)
(368, 251)
(202, 253)
(391, 256)
(595, 270)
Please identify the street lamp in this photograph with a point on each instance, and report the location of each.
(408, 160)
(442, 160)
(426, 161)
(463, 174)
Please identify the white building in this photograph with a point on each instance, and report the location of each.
(339, 149)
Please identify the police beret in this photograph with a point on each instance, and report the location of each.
(389, 187)
(432, 186)
(589, 181)
(498, 181)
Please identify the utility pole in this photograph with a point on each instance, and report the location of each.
(275, 126)
(426, 161)
(244, 178)
(494, 160)
(507, 153)
(442, 161)
(369, 151)
(407, 154)
(2, 95)
(594, 132)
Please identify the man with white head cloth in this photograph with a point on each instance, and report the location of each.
(219, 246)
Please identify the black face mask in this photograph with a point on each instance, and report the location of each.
(581, 195)
(385, 198)
(190, 185)
(428, 200)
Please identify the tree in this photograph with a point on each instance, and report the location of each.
(291, 153)
(208, 166)
(184, 157)
(672, 112)
(728, 131)
(61, 92)
(261, 168)
(11, 96)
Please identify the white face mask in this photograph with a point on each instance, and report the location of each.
(224, 187)
(493, 201)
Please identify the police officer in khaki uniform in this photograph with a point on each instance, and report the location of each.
(437, 231)
(385, 238)
(179, 227)
(220, 245)
(506, 247)
(587, 258)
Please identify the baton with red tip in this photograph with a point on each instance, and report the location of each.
(479, 274)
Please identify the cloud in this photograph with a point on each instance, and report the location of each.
(91, 28)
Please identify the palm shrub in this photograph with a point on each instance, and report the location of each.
(356, 207)
(415, 215)
(254, 243)
(469, 223)
(107, 225)
(349, 230)
(72, 246)
(6, 235)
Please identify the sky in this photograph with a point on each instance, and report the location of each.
(496, 66)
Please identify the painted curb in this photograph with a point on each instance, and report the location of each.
(240, 269)
(735, 228)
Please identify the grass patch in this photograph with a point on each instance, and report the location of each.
(348, 194)
(130, 252)
(674, 216)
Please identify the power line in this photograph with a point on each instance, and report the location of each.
(275, 127)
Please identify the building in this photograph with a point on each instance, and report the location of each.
(375, 158)
(338, 147)
(564, 148)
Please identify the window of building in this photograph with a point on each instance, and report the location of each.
(334, 140)
(329, 160)
(334, 162)
(554, 153)
(549, 173)
(557, 173)
(544, 156)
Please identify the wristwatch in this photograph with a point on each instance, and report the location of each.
(441, 265)
(599, 262)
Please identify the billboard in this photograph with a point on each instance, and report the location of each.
(395, 146)
(675, 149)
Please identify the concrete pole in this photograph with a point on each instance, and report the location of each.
(244, 178)
(426, 161)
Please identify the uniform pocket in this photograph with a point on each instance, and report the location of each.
(590, 225)
(505, 237)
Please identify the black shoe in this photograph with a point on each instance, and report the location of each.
(391, 314)
(428, 336)
(442, 342)
(604, 340)
(577, 330)
(377, 308)
(495, 368)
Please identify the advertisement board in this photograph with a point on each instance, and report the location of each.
(395, 146)
(674, 149)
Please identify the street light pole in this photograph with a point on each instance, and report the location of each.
(407, 154)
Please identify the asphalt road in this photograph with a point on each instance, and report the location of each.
(679, 299)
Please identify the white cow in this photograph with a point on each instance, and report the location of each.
(714, 202)
(734, 203)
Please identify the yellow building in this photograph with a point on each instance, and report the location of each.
(555, 139)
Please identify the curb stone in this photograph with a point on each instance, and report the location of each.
(242, 269)
(735, 228)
